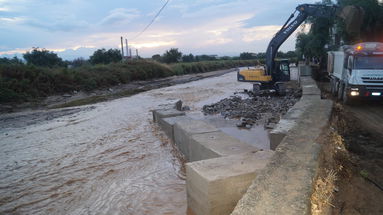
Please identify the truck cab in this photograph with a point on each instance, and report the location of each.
(357, 71)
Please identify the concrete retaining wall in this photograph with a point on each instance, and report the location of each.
(220, 167)
(285, 185)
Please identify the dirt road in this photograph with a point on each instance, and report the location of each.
(106, 158)
(369, 113)
(352, 164)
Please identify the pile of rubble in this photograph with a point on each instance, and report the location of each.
(265, 108)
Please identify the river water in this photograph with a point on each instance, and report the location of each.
(107, 158)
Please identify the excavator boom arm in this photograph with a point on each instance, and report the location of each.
(305, 10)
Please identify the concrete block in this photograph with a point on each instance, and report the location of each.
(304, 70)
(165, 113)
(167, 125)
(183, 130)
(215, 186)
(280, 131)
(216, 144)
(310, 90)
(276, 139)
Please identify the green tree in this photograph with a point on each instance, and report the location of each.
(188, 58)
(102, 56)
(156, 57)
(42, 57)
(205, 57)
(313, 44)
(14, 61)
(246, 56)
(260, 55)
(78, 62)
(172, 56)
(372, 25)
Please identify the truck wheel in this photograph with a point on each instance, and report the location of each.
(336, 85)
(347, 100)
(332, 90)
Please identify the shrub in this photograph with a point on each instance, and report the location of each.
(19, 82)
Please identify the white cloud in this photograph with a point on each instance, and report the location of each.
(153, 44)
(260, 33)
(12, 20)
(62, 24)
(4, 9)
(198, 26)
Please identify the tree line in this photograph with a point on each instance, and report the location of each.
(330, 33)
(175, 56)
(45, 58)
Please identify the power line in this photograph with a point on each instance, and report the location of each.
(151, 22)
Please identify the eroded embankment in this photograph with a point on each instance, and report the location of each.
(350, 178)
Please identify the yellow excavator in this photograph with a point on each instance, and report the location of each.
(276, 72)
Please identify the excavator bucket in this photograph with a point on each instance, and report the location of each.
(353, 18)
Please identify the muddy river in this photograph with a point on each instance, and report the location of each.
(107, 158)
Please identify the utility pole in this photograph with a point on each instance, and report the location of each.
(130, 53)
(137, 53)
(122, 48)
(126, 46)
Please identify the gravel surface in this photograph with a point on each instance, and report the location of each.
(254, 109)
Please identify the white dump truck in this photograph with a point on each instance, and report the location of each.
(356, 71)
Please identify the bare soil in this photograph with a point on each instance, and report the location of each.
(353, 152)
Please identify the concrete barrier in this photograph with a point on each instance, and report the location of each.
(165, 113)
(224, 166)
(216, 144)
(284, 186)
(183, 131)
(167, 125)
(214, 186)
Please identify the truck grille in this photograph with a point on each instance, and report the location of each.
(374, 88)
(377, 80)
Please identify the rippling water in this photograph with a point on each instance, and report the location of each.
(109, 159)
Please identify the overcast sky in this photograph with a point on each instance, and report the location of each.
(75, 28)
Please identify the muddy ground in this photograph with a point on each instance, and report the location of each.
(350, 179)
(266, 108)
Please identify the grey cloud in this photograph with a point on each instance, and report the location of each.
(63, 24)
(120, 15)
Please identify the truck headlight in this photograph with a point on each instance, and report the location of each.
(354, 91)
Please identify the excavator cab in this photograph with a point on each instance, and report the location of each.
(282, 71)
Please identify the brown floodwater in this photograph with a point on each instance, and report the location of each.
(107, 158)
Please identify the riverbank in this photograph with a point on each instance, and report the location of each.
(77, 98)
(21, 83)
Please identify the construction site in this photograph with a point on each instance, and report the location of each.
(279, 137)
